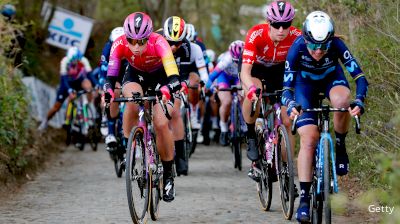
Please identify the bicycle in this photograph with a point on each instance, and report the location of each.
(276, 161)
(237, 127)
(324, 180)
(144, 170)
(188, 138)
(80, 122)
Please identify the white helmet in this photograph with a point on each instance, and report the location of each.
(211, 55)
(190, 32)
(318, 28)
(116, 32)
(74, 54)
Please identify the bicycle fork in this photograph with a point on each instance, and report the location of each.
(320, 163)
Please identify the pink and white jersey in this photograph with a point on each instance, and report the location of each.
(157, 54)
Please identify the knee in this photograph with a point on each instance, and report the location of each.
(309, 140)
(340, 100)
(161, 125)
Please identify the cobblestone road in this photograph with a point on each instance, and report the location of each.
(81, 187)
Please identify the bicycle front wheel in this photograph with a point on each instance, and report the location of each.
(264, 187)
(284, 166)
(156, 183)
(327, 182)
(137, 178)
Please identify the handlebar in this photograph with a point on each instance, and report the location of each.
(325, 109)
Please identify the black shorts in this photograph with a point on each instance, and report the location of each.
(271, 77)
(148, 80)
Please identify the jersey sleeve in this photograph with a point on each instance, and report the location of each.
(291, 71)
(250, 48)
(165, 53)
(86, 64)
(63, 66)
(116, 55)
(197, 56)
(353, 68)
(105, 57)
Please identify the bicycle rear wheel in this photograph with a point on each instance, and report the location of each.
(236, 139)
(327, 183)
(137, 178)
(264, 187)
(285, 172)
(156, 184)
(93, 132)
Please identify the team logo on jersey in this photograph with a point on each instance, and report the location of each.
(247, 52)
(266, 48)
(255, 34)
(115, 45)
(295, 33)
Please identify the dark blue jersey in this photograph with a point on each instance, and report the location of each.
(300, 65)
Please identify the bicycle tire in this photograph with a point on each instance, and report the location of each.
(285, 172)
(327, 182)
(316, 205)
(236, 140)
(264, 186)
(93, 132)
(264, 189)
(137, 176)
(156, 184)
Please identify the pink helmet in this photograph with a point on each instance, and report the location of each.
(138, 25)
(280, 11)
(236, 48)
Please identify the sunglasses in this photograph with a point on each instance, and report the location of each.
(284, 25)
(323, 47)
(133, 42)
(174, 43)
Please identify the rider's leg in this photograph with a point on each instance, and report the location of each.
(62, 93)
(252, 152)
(308, 140)
(340, 97)
(111, 121)
(176, 124)
(224, 111)
(130, 117)
(288, 125)
(193, 98)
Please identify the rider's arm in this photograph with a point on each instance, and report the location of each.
(353, 68)
(114, 63)
(86, 65)
(249, 57)
(197, 56)
(64, 74)
(291, 70)
(105, 56)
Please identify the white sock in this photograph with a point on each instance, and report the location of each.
(223, 126)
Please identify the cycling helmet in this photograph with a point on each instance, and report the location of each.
(211, 55)
(318, 28)
(8, 10)
(190, 32)
(236, 48)
(74, 54)
(116, 32)
(174, 28)
(138, 25)
(280, 11)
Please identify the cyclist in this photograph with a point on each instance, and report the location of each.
(190, 61)
(151, 64)
(110, 139)
(226, 74)
(312, 67)
(263, 61)
(74, 68)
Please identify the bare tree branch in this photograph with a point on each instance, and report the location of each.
(386, 34)
(386, 58)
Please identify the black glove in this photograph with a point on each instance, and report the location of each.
(173, 83)
(358, 103)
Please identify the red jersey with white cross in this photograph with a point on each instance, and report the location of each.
(260, 49)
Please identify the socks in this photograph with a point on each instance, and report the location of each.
(223, 126)
(340, 143)
(305, 192)
(251, 133)
(167, 165)
(111, 126)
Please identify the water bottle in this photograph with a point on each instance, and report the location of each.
(259, 125)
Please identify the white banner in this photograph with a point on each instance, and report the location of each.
(67, 28)
(41, 98)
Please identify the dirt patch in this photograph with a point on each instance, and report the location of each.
(354, 189)
(37, 154)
